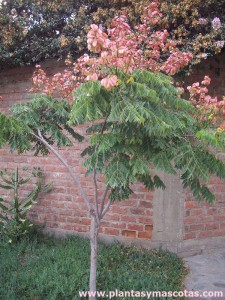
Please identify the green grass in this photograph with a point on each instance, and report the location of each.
(48, 269)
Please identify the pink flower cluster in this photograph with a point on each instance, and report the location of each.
(109, 82)
(61, 84)
(129, 49)
(176, 61)
(211, 108)
(96, 39)
(120, 48)
(151, 13)
(41, 82)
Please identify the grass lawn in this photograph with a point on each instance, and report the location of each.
(48, 269)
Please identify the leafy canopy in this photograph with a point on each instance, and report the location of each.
(146, 127)
(138, 127)
(43, 114)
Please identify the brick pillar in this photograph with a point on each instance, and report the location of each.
(168, 213)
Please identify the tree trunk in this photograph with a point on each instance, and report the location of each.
(94, 254)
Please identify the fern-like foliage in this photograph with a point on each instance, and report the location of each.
(143, 122)
(48, 116)
(13, 133)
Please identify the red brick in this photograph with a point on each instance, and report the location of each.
(135, 227)
(59, 204)
(220, 188)
(211, 211)
(119, 210)
(142, 189)
(219, 232)
(111, 231)
(191, 220)
(127, 218)
(71, 205)
(136, 196)
(44, 202)
(196, 227)
(219, 218)
(149, 196)
(189, 236)
(49, 217)
(85, 221)
(129, 233)
(149, 227)
(205, 234)
(138, 211)
(129, 203)
(146, 204)
(52, 224)
(56, 168)
(191, 204)
(145, 234)
(72, 220)
(206, 219)
(65, 212)
(61, 219)
(212, 226)
(80, 228)
(8, 159)
(145, 220)
(118, 225)
(197, 212)
(67, 227)
(112, 217)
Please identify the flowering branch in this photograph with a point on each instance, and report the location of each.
(120, 48)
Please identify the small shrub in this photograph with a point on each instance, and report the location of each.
(14, 223)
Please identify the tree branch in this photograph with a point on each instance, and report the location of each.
(106, 208)
(103, 200)
(69, 169)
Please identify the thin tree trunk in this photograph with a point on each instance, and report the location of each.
(94, 254)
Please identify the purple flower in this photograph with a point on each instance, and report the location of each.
(203, 21)
(220, 44)
(216, 24)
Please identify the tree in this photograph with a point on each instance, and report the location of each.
(139, 123)
(136, 120)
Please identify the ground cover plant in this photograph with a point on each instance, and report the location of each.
(136, 120)
(48, 269)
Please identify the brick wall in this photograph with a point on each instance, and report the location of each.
(63, 210)
(204, 220)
